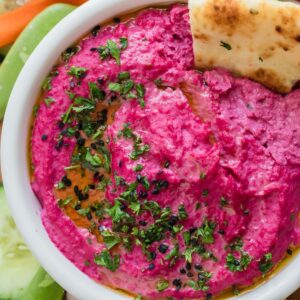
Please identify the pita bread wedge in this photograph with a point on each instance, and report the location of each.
(258, 39)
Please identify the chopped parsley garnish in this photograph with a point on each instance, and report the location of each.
(138, 168)
(205, 193)
(206, 232)
(223, 201)
(202, 175)
(182, 214)
(113, 50)
(48, 101)
(238, 265)
(95, 92)
(110, 239)
(77, 72)
(265, 264)
(46, 85)
(115, 87)
(84, 211)
(64, 202)
(201, 283)
(94, 160)
(124, 43)
(105, 259)
(162, 285)
(225, 45)
(123, 75)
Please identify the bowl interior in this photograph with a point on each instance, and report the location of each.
(23, 203)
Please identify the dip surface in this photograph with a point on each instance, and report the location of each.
(160, 180)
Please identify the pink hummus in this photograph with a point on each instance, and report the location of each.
(224, 148)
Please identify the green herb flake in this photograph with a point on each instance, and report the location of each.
(77, 72)
(123, 75)
(205, 232)
(64, 202)
(238, 265)
(135, 154)
(162, 285)
(182, 214)
(223, 202)
(138, 168)
(110, 239)
(95, 92)
(115, 87)
(225, 45)
(124, 43)
(105, 259)
(205, 193)
(265, 264)
(48, 101)
(84, 211)
(202, 175)
(114, 51)
(60, 185)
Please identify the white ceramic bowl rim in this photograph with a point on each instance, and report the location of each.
(23, 203)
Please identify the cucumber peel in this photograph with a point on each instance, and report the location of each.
(17, 265)
(21, 277)
(42, 287)
(24, 46)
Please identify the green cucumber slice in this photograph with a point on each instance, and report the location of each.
(17, 265)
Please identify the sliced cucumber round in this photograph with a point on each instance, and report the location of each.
(17, 265)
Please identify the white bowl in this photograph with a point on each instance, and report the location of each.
(25, 206)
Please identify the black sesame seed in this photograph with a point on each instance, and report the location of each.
(66, 181)
(77, 207)
(95, 30)
(151, 266)
(163, 248)
(208, 296)
(92, 186)
(44, 137)
(76, 189)
(123, 206)
(173, 220)
(104, 112)
(85, 196)
(117, 20)
(246, 212)
(143, 194)
(143, 223)
(177, 283)
(188, 266)
(89, 216)
(183, 271)
(79, 125)
(96, 175)
(221, 231)
(155, 191)
(81, 142)
(190, 274)
(289, 251)
(93, 208)
(198, 267)
(193, 230)
(60, 124)
(80, 196)
(100, 80)
(164, 184)
(93, 49)
(77, 134)
(113, 98)
(152, 255)
(101, 143)
(59, 145)
(93, 146)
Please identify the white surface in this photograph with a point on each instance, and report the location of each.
(23, 203)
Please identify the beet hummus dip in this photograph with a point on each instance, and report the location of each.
(156, 178)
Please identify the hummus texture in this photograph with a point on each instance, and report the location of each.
(182, 187)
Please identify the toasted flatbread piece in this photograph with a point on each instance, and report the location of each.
(258, 39)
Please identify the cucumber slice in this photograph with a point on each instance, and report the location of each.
(42, 287)
(17, 265)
